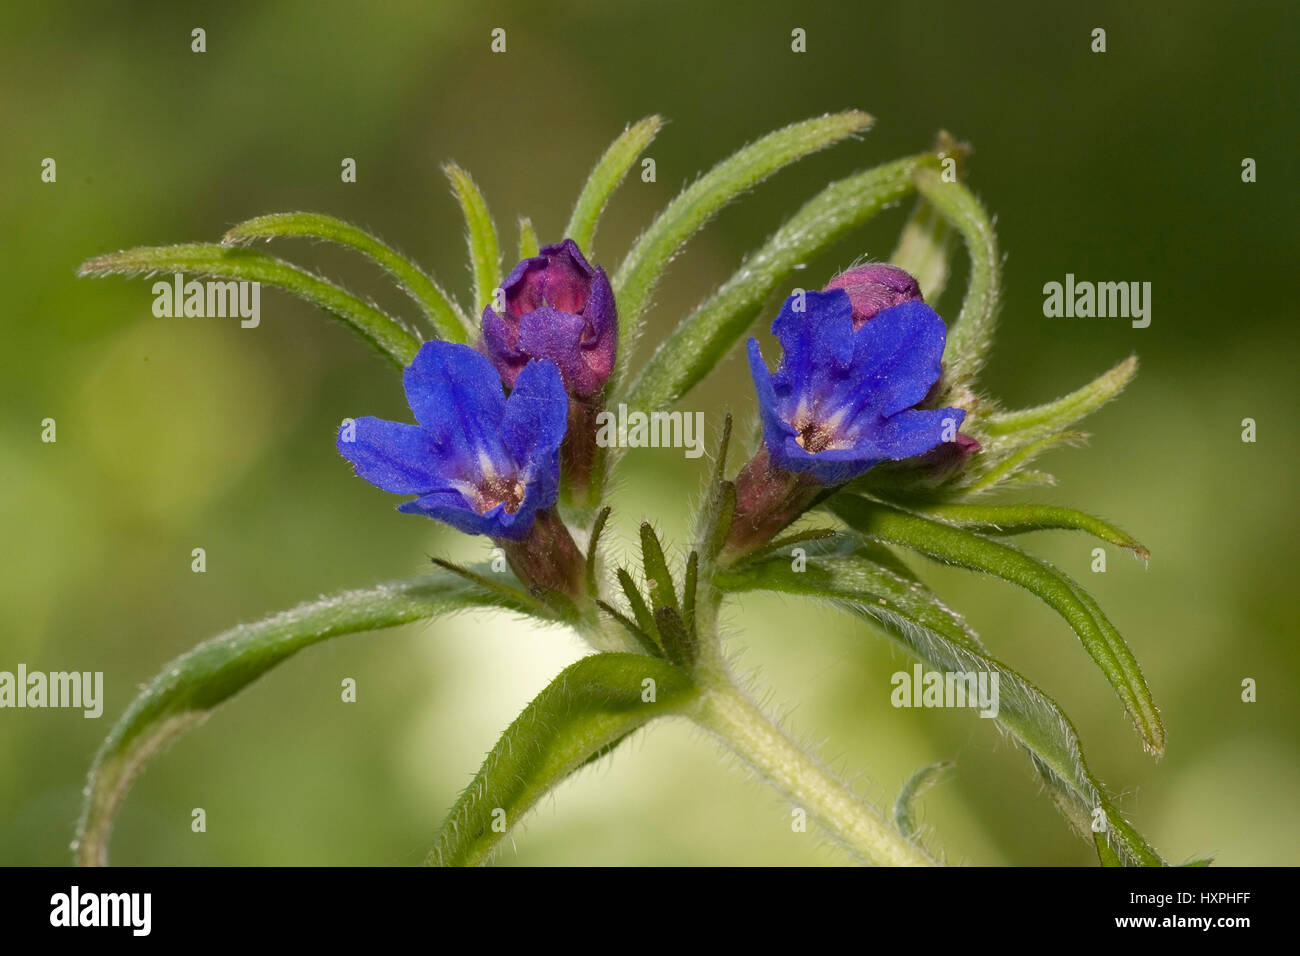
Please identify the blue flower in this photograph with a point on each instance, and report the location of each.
(842, 400)
(478, 461)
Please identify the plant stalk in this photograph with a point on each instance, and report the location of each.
(727, 713)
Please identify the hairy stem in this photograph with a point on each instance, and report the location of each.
(725, 711)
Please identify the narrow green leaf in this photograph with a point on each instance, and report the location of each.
(188, 689)
(646, 642)
(956, 546)
(711, 525)
(970, 336)
(605, 178)
(870, 585)
(704, 337)
(644, 619)
(538, 601)
(448, 321)
(844, 565)
(925, 249)
(635, 279)
(657, 575)
(581, 716)
(1030, 479)
(208, 259)
(481, 236)
(528, 246)
(1019, 519)
(998, 463)
(677, 641)
(724, 512)
(1105, 853)
(917, 784)
(724, 445)
(690, 584)
(1043, 420)
(785, 542)
(593, 550)
(713, 519)
(1082, 818)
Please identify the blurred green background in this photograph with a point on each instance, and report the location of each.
(183, 433)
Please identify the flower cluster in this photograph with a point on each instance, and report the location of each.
(858, 362)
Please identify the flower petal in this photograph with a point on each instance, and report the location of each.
(451, 508)
(456, 394)
(817, 342)
(600, 341)
(501, 342)
(390, 455)
(554, 335)
(896, 360)
(775, 427)
(536, 415)
(525, 287)
(915, 431)
(568, 276)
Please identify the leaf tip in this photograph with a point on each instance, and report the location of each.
(1153, 735)
(859, 120)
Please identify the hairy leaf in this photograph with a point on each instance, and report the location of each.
(1041, 421)
(957, 546)
(925, 248)
(859, 578)
(695, 205)
(481, 236)
(640, 610)
(646, 642)
(970, 336)
(528, 245)
(605, 178)
(678, 642)
(1019, 519)
(999, 463)
(593, 550)
(917, 784)
(658, 577)
(581, 716)
(208, 259)
(705, 336)
(188, 689)
(448, 321)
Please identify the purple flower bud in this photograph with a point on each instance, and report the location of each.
(874, 288)
(556, 307)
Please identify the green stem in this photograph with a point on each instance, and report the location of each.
(725, 711)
